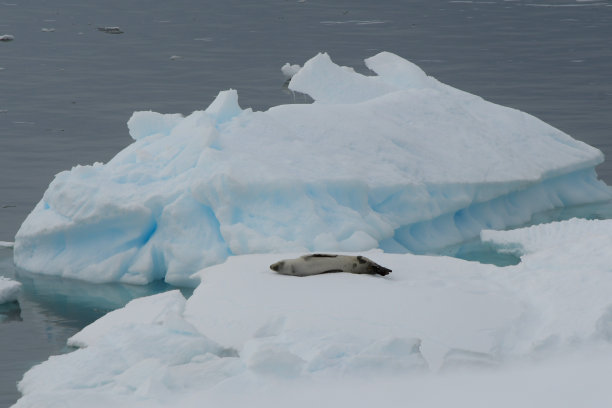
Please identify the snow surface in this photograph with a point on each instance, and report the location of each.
(436, 332)
(397, 161)
(9, 289)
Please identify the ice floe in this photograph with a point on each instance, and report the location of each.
(435, 331)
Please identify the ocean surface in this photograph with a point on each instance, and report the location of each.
(67, 90)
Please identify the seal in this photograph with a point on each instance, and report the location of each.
(316, 264)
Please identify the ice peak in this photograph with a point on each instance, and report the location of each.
(225, 106)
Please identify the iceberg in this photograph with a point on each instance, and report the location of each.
(9, 289)
(438, 331)
(395, 160)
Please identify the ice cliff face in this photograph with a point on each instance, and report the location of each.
(396, 160)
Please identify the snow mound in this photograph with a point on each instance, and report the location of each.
(397, 161)
(9, 289)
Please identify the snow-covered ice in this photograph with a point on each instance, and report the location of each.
(9, 289)
(436, 331)
(396, 160)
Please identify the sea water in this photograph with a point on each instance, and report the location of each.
(67, 90)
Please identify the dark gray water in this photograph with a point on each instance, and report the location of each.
(67, 90)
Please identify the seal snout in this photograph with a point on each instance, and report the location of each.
(276, 266)
(380, 270)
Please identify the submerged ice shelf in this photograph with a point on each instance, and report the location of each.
(397, 161)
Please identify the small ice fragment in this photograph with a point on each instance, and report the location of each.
(289, 70)
(47, 30)
(9, 289)
(110, 30)
(6, 244)
(175, 57)
(7, 37)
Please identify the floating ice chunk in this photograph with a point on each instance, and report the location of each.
(289, 70)
(7, 37)
(371, 336)
(143, 361)
(9, 290)
(110, 30)
(6, 244)
(157, 309)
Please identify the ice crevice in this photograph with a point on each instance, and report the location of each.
(396, 160)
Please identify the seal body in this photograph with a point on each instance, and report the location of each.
(316, 264)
